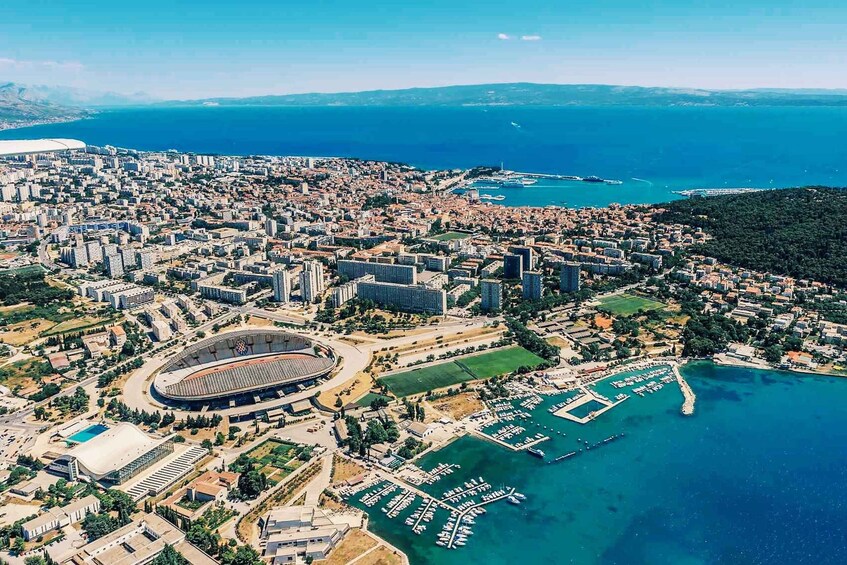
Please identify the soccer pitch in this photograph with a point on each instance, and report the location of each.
(628, 304)
(450, 236)
(499, 362)
(482, 366)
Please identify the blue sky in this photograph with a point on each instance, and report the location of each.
(178, 49)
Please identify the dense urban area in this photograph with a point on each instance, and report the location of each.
(204, 358)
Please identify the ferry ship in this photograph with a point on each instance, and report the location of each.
(537, 452)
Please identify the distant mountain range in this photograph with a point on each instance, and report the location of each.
(530, 94)
(22, 105)
(18, 108)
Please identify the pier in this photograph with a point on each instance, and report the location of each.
(425, 510)
(462, 514)
(398, 507)
(689, 398)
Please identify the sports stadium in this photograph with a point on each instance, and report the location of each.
(242, 367)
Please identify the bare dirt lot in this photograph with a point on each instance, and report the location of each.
(460, 405)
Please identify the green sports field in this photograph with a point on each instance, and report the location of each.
(450, 236)
(482, 366)
(628, 304)
(499, 362)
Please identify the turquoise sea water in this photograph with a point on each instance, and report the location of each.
(757, 475)
(652, 150)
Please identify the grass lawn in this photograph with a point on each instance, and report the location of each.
(628, 304)
(450, 236)
(482, 366)
(500, 362)
(77, 324)
(370, 397)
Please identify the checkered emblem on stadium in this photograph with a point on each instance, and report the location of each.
(241, 347)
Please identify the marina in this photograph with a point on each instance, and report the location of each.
(598, 469)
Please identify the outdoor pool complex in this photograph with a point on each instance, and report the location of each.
(88, 433)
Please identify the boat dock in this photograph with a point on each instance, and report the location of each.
(563, 457)
(399, 506)
(425, 510)
(402, 484)
(450, 543)
(521, 447)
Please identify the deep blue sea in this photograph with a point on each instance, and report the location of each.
(756, 475)
(652, 150)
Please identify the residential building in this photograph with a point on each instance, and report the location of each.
(281, 285)
(512, 266)
(569, 277)
(532, 285)
(491, 294)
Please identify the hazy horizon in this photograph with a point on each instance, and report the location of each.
(259, 47)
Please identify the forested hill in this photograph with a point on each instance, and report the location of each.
(801, 232)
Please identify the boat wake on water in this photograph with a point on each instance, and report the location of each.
(642, 180)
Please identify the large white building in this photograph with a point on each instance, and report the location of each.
(301, 532)
(57, 518)
(114, 456)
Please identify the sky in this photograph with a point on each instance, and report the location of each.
(179, 50)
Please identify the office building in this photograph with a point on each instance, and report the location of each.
(569, 277)
(533, 285)
(491, 294)
(512, 266)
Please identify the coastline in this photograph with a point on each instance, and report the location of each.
(10, 126)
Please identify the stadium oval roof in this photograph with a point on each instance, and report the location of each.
(34, 146)
(242, 362)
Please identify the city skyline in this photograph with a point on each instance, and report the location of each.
(182, 52)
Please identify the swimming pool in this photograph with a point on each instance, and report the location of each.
(88, 433)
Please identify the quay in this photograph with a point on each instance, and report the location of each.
(564, 411)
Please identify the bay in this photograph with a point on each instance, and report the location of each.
(654, 151)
